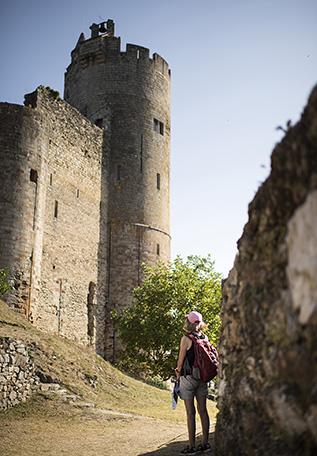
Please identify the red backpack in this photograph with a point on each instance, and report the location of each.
(206, 358)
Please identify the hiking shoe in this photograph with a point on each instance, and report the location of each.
(189, 450)
(203, 448)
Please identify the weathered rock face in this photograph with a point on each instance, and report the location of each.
(268, 378)
(17, 373)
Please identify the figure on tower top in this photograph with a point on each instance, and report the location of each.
(102, 29)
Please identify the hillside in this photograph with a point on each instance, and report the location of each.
(95, 405)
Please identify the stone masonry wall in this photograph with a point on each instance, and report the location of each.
(146, 245)
(83, 205)
(50, 230)
(20, 152)
(128, 93)
(17, 373)
(268, 378)
(66, 265)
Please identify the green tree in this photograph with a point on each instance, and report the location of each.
(151, 329)
(4, 285)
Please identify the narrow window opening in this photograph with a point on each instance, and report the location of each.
(141, 155)
(77, 193)
(158, 181)
(118, 172)
(56, 209)
(158, 249)
(33, 178)
(33, 175)
(51, 179)
(91, 312)
(156, 125)
(99, 123)
(54, 266)
(138, 54)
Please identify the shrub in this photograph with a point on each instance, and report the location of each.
(151, 329)
(4, 284)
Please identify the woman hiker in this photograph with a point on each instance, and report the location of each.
(191, 387)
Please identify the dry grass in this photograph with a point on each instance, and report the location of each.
(70, 365)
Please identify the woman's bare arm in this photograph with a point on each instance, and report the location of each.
(185, 345)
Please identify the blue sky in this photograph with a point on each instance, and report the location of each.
(239, 69)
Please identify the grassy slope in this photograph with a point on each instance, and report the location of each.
(72, 365)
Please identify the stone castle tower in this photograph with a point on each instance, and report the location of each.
(72, 266)
(128, 94)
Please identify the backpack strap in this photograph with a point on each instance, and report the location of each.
(194, 337)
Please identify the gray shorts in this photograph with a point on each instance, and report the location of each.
(189, 387)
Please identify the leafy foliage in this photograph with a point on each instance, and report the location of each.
(4, 285)
(54, 93)
(151, 329)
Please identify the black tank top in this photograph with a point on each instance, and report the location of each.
(190, 357)
(189, 361)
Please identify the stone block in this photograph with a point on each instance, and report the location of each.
(44, 387)
(13, 395)
(21, 375)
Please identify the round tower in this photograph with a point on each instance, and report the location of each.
(128, 94)
(22, 179)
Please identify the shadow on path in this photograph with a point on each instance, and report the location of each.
(174, 448)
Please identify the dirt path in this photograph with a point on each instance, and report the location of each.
(91, 432)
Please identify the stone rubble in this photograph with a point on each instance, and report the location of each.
(18, 379)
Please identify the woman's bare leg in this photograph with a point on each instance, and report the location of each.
(191, 423)
(204, 417)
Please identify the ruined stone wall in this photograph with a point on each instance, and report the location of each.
(60, 203)
(17, 373)
(268, 378)
(129, 94)
(69, 257)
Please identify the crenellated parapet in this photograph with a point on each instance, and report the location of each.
(101, 47)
